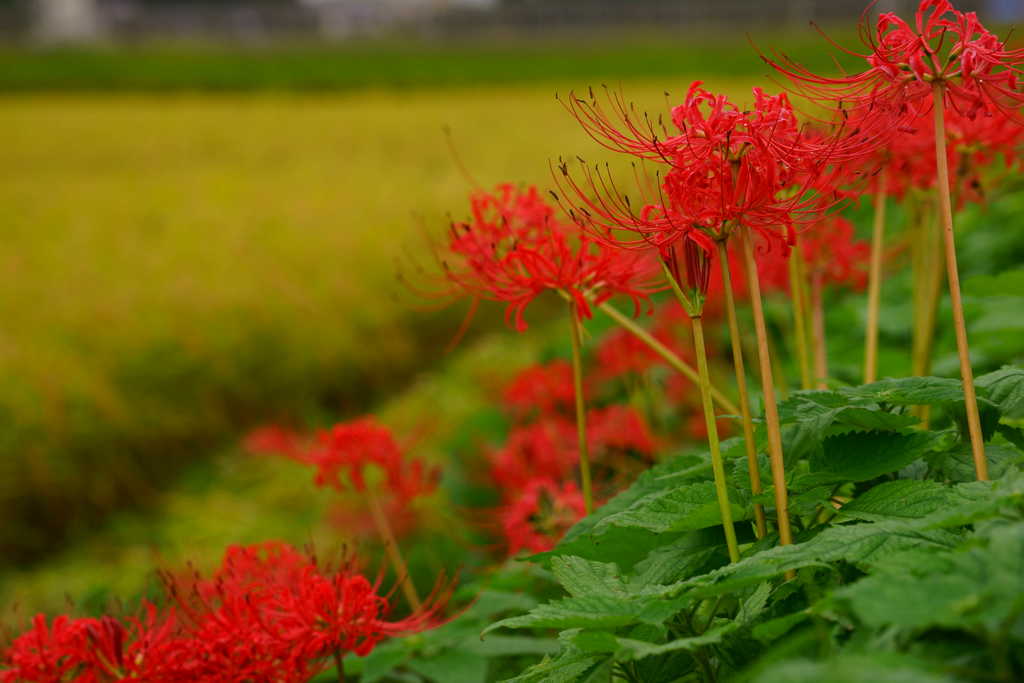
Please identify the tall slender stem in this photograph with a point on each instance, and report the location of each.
(875, 281)
(953, 277)
(796, 296)
(818, 336)
(581, 409)
(771, 411)
(380, 519)
(760, 527)
(667, 354)
(717, 466)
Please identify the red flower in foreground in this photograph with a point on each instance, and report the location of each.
(271, 614)
(540, 516)
(943, 46)
(515, 248)
(149, 649)
(720, 168)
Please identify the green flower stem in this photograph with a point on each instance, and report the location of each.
(771, 410)
(667, 354)
(818, 335)
(380, 519)
(796, 296)
(875, 282)
(953, 277)
(581, 410)
(717, 465)
(760, 528)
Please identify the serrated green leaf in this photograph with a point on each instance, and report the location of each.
(582, 577)
(1005, 388)
(902, 499)
(863, 456)
(981, 586)
(688, 508)
(681, 559)
(754, 605)
(909, 391)
(957, 463)
(629, 649)
(569, 666)
(595, 612)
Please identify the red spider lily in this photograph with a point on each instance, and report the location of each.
(270, 613)
(515, 248)
(831, 251)
(944, 45)
(973, 144)
(622, 352)
(354, 448)
(543, 388)
(149, 649)
(540, 515)
(725, 167)
(274, 440)
(620, 428)
(544, 449)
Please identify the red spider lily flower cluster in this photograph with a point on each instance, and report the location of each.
(268, 614)
(98, 650)
(943, 46)
(270, 606)
(534, 470)
(973, 144)
(726, 167)
(515, 247)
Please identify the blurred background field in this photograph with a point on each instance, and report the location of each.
(201, 237)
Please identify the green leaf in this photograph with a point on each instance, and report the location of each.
(774, 629)
(593, 611)
(582, 577)
(981, 586)
(910, 391)
(878, 667)
(688, 508)
(506, 646)
(957, 463)
(452, 666)
(1005, 388)
(863, 456)
(902, 499)
(685, 557)
(638, 649)
(569, 666)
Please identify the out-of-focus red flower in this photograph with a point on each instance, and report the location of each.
(619, 428)
(903, 62)
(515, 247)
(545, 449)
(831, 250)
(545, 389)
(622, 352)
(540, 515)
(273, 440)
(345, 453)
